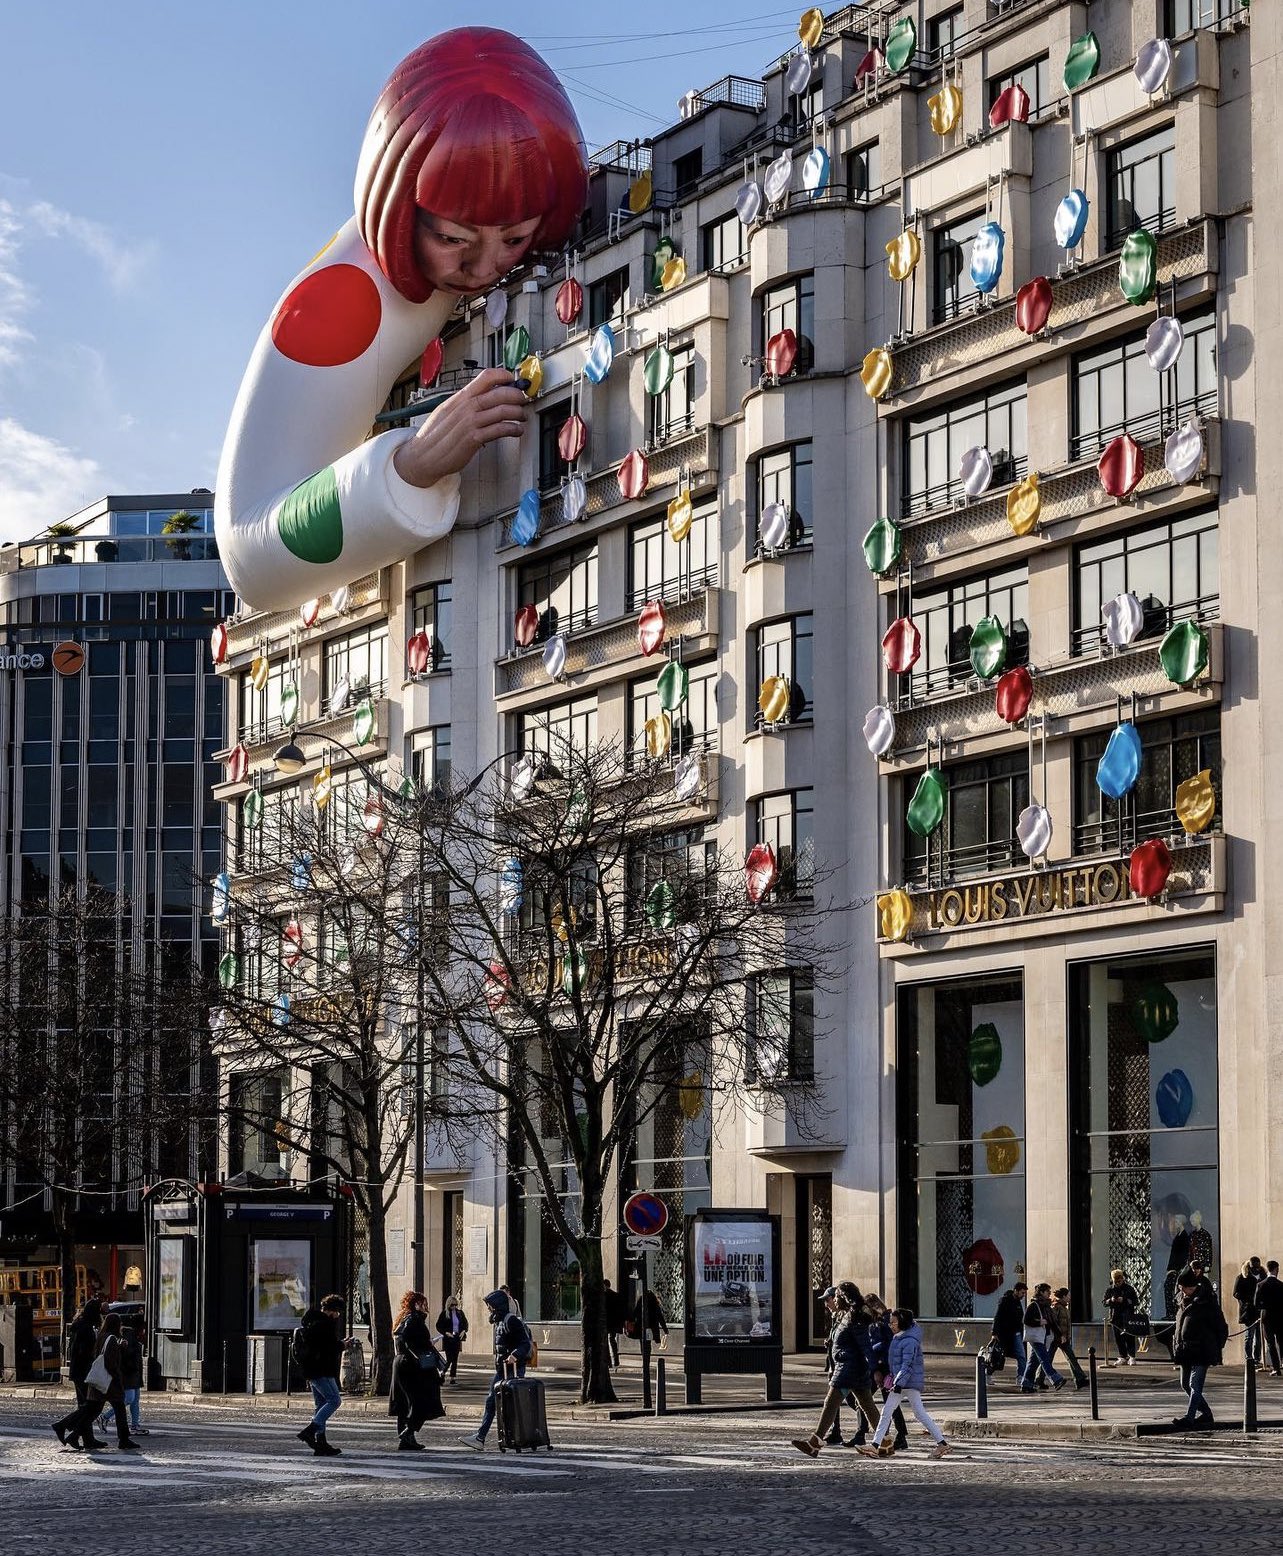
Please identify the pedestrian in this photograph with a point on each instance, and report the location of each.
(1269, 1304)
(318, 1346)
(850, 1377)
(1009, 1325)
(1062, 1335)
(514, 1307)
(416, 1372)
(1039, 1327)
(78, 1427)
(828, 1297)
(880, 1336)
(131, 1381)
(1121, 1304)
(616, 1319)
(649, 1314)
(907, 1367)
(452, 1326)
(1199, 1343)
(1244, 1293)
(82, 1346)
(512, 1348)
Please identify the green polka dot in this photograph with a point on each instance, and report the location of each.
(310, 520)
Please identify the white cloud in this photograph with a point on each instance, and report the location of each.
(41, 481)
(122, 264)
(15, 296)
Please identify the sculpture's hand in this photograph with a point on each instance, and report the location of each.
(489, 408)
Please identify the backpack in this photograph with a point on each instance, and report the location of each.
(1220, 1327)
(300, 1348)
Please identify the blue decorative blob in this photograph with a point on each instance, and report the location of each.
(511, 886)
(1174, 1098)
(301, 873)
(281, 1009)
(220, 909)
(815, 170)
(525, 526)
(1119, 767)
(1071, 219)
(601, 353)
(986, 256)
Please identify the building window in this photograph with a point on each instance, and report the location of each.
(960, 1112)
(559, 733)
(1140, 180)
(562, 587)
(790, 306)
(694, 723)
(551, 465)
(687, 171)
(609, 299)
(804, 111)
(1181, 16)
(1116, 390)
(256, 1124)
(430, 760)
(260, 710)
(361, 659)
(660, 570)
(951, 285)
(785, 477)
(947, 616)
(1173, 569)
(787, 823)
(785, 648)
(1144, 1142)
(724, 243)
(935, 442)
(978, 833)
(864, 171)
(672, 413)
(1172, 750)
(541, 915)
(781, 1028)
(430, 611)
(1035, 78)
(685, 859)
(943, 32)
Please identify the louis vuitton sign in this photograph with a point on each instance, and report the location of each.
(1034, 895)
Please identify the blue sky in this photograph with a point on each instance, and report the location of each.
(165, 170)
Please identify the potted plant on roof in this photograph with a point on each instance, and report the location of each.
(60, 534)
(177, 529)
(106, 550)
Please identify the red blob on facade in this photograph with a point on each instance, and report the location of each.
(1149, 868)
(431, 362)
(781, 354)
(525, 626)
(760, 871)
(1121, 466)
(650, 627)
(1013, 694)
(572, 438)
(570, 301)
(901, 646)
(1011, 106)
(329, 318)
(1033, 305)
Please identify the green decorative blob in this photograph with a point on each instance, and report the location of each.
(1183, 653)
(672, 686)
(663, 253)
(516, 348)
(988, 648)
(310, 520)
(658, 371)
(926, 808)
(574, 974)
(1138, 267)
(363, 721)
(289, 704)
(229, 970)
(1082, 62)
(1156, 1012)
(661, 906)
(882, 546)
(984, 1053)
(902, 40)
(252, 810)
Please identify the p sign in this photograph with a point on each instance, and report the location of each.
(645, 1214)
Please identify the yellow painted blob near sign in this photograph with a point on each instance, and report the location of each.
(895, 914)
(1024, 504)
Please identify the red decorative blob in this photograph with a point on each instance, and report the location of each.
(497, 985)
(634, 474)
(869, 65)
(372, 816)
(983, 1267)
(1150, 865)
(238, 764)
(760, 871)
(572, 438)
(650, 627)
(525, 626)
(781, 354)
(570, 301)
(309, 611)
(1121, 466)
(330, 317)
(1013, 694)
(292, 944)
(1033, 305)
(418, 653)
(431, 362)
(218, 643)
(1010, 107)
(901, 646)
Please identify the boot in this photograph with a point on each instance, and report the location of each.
(408, 1442)
(323, 1449)
(810, 1446)
(901, 1443)
(308, 1435)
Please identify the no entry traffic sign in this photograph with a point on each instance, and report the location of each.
(645, 1214)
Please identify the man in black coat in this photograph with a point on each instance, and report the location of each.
(1269, 1304)
(319, 1352)
(1009, 1325)
(1197, 1344)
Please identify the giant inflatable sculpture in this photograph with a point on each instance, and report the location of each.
(472, 158)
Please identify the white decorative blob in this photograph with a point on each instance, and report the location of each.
(778, 177)
(815, 171)
(799, 73)
(1034, 830)
(339, 597)
(879, 730)
(1124, 616)
(1163, 341)
(575, 502)
(688, 776)
(496, 308)
(748, 202)
(1183, 452)
(339, 696)
(523, 777)
(554, 656)
(775, 526)
(1153, 66)
(976, 471)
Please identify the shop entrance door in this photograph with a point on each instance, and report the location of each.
(814, 1257)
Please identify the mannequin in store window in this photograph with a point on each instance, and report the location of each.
(1177, 1259)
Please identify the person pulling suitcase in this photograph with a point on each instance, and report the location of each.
(512, 1348)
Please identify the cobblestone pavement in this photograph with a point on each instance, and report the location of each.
(215, 1480)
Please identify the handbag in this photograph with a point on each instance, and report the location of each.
(99, 1377)
(1139, 1325)
(534, 1353)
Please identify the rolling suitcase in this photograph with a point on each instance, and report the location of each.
(522, 1415)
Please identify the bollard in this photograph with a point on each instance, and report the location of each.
(661, 1388)
(1249, 1394)
(224, 1366)
(982, 1388)
(1094, 1382)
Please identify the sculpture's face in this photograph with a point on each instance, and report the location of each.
(456, 257)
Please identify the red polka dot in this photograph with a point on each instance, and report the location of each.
(329, 318)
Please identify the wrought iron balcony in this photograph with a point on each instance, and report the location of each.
(246, 632)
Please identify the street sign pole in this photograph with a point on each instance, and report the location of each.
(643, 1269)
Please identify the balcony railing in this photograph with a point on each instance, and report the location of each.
(1119, 834)
(85, 550)
(1157, 424)
(1090, 642)
(1006, 472)
(674, 591)
(248, 631)
(964, 862)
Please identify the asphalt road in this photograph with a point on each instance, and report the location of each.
(216, 1480)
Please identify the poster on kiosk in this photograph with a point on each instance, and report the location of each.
(734, 1277)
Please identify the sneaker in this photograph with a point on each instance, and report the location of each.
(1274, 1372)
(1131, 1361)
(476, 1441)
(939, 1451)
(868, 1451)
(810, 1446)
(139, 1431)
(1058, 1385)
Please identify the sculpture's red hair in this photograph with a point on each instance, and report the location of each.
(474, 127)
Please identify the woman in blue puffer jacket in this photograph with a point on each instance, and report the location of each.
(851, 1376)
(906, 1367)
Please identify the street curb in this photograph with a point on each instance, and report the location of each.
(1040, 1431)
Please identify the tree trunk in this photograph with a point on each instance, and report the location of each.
(595, 1385)
(380, 1298)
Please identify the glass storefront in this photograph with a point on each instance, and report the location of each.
(1143, 1095)
(960, 1098)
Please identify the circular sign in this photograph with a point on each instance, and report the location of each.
(645, 1214)
(68, 658)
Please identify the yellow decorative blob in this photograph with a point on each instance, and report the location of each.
(895, 914)
(811, 27)
(559, 922)
(259, 670)
(681, 515)
(876, 372)
(945, 108)
(659, 736)
(322, 786)
(1002, 1149)
(640, 193)
(1024, 504)
(674, 274)
(531, 369)
(903, 254)
(1196, 802)
(690, 1095)
(774, 698)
